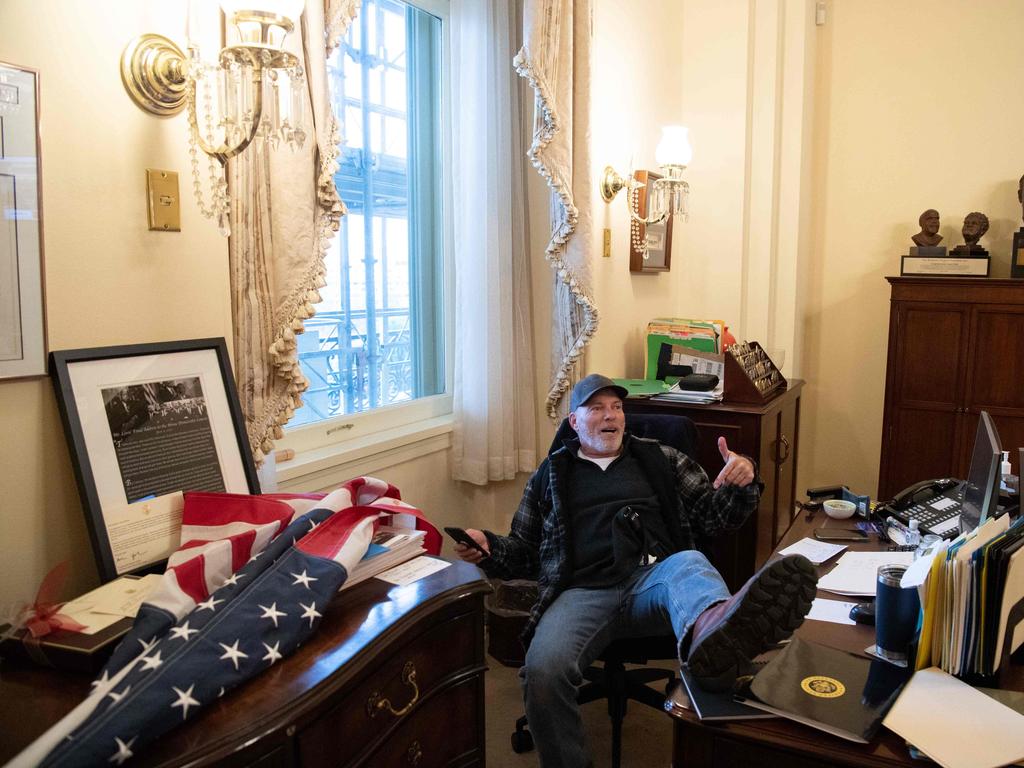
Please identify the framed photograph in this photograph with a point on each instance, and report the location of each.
(144, 423)
(658, 236)
(22, 321)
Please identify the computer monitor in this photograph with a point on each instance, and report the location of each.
(981, 491)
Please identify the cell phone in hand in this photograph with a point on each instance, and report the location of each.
(462, 537)
(840, 534)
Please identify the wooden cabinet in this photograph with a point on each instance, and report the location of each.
(768, 433)
(393, 677)
(956, 347)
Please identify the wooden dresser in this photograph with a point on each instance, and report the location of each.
(956, 347)
(768, 433)
(394, 677)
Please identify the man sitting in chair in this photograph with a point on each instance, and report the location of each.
(590, 515)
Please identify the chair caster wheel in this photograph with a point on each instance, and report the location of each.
(522, 741)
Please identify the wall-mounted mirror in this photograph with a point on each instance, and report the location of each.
(658, 257)
(22, 322)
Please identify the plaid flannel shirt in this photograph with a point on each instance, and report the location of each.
(538, 546)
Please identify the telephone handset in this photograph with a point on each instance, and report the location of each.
(922, 491)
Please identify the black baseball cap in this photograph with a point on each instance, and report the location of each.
(589, 386)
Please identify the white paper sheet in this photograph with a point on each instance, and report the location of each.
(856, 573)
(110, 603)
(835, 611)
(412, 570)
(934, 712)
(815, 551)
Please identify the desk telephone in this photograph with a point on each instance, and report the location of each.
(935, 504)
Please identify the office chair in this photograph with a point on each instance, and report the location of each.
(613, 681)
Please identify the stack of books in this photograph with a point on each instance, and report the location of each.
(391, 546)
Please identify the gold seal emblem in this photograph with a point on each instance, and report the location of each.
(823, 687)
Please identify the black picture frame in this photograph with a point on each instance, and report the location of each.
(141, 419)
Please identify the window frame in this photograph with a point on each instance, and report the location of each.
(422, 426)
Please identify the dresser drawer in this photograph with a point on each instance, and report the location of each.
(397, 688)
(427, 738)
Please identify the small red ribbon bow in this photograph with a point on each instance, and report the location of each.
(43, 616)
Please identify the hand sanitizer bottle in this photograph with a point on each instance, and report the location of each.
(1009, 481)
(914, 534)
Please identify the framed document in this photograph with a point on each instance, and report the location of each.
(22, 322)
(658, 237)
(145, 423)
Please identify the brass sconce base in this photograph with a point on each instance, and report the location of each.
(611, 183)
(153, 73)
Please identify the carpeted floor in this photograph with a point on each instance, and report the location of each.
(646, 732)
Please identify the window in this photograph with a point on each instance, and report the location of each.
(378, 336)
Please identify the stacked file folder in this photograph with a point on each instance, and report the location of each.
(972, 593)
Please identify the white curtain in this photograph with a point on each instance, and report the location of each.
(285, 211)
(494, 394)
(555, 58)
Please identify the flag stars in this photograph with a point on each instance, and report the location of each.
(304, 580)
(272, 653)
(124, 751)
(208, 605)
(231, 652)
(232, 580)
(116, 697)
(310, 613)
(272, 613)
(148, 645)
(184, 700)
(151, 662)
(100, 681)
(183, 632)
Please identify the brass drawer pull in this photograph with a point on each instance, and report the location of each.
(414, 754)
(780, 458)
(377, 703)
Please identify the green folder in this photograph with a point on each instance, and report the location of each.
(642, 387)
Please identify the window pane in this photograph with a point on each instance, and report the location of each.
(377, 338)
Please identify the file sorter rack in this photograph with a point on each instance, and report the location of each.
(750, 375)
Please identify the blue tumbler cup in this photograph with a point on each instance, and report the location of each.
(896, 613)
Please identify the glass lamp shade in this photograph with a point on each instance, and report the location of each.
(674, 147)
(289, 9)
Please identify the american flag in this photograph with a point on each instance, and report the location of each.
(248, 585)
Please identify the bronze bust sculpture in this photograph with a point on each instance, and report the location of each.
(975, 226)
(1020, 195)
(929, 235)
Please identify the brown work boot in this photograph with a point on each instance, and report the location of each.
(728, 635)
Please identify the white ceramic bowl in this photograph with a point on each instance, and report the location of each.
(838, 509)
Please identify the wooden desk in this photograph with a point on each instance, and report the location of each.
(310, 709)
(781, 742)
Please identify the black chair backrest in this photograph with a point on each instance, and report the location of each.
(676, 431)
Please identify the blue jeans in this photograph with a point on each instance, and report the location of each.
(579, 625)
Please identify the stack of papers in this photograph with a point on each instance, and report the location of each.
(815, 551)
(677, 395)
(856, 573)
(935, 712)
(391, 546)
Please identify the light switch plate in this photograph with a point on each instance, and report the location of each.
(164, 207)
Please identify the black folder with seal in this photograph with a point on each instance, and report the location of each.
(828, 689)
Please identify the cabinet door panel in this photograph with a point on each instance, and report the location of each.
(996, 367)
(923, 445)
(929, 354)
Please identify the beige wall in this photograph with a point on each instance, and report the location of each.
(917, 108)
(902, 120)
(108, 279)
